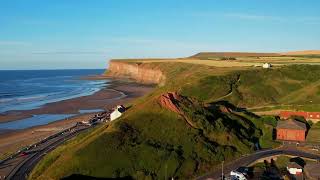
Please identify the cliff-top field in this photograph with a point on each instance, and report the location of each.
(190, 122)
(241, 61)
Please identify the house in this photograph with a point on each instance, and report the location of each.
(291, 130)
(266, 65)
(117, 112)
(294, 168)
(235, 175)
(313, 116)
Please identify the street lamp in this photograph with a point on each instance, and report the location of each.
(222, 175)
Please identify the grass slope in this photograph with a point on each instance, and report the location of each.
(314, 134)
(155, 143)
(151, 142)
(252, 88)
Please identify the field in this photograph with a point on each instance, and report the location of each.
(152, 142)
(314, 134)
(240, 61)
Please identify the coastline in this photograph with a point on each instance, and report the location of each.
(115, 91)
(118, 92)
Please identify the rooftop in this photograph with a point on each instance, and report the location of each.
(291, 124)
(294, 165)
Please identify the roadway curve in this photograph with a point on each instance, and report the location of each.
(23, 170)
(245, 161)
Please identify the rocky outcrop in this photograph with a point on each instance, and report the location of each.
(170, 101)
(140, 72)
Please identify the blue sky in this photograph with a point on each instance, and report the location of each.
(38, 34)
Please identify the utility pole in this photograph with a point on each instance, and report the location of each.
(165, 177)
(222, 175)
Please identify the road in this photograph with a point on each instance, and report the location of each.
(19, 166)
(245, 161)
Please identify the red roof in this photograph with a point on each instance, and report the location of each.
(291, 124)
(306, 115)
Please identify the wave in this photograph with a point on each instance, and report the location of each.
(46, 78)
(37, 91)
(25, 98)
(36, 101)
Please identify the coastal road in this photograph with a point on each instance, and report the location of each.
(247, 160)
(20, 166)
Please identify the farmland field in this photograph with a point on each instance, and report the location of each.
(240, 61)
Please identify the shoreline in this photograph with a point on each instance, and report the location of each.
(12, 140)
(99, 100)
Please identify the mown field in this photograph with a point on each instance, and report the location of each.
(152, 142)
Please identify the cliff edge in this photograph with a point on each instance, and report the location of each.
(137, 71)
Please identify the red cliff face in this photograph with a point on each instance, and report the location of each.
(140, 72)
(170, 101)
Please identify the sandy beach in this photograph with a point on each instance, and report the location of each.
(117, 93)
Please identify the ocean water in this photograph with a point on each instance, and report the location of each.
(28, 89)
(35, 120)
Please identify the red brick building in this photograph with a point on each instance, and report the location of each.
(291, 130)
(307, 115)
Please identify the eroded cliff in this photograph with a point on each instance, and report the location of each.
(140, 72)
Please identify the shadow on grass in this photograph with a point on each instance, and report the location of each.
(299, 161)
(234, 108)
(80, 177)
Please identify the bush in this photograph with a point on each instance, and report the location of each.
(228, 58)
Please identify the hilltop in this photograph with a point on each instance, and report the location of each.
(206, 55)
(214, 55)
(193, 120)
(306, 52)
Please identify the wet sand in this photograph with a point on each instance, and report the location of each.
(117, 93)
(103, 99)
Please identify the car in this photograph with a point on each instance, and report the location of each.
(23, 154)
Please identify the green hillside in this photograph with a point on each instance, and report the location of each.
(152, 142)
(295, 84)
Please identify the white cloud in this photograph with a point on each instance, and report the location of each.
(68, 52)
(253, 17)
(14, 43)
(259, 17)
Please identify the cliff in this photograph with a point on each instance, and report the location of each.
(140, 72)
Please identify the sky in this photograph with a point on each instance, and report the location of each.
(73, 34)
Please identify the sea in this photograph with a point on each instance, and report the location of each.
(30, 89)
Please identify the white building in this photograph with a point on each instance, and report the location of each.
(294, 168)
(237, 175)
(118, 111)
(266, 65)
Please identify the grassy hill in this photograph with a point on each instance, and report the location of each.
(156, 143)
(153, 142)
(295, 84)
